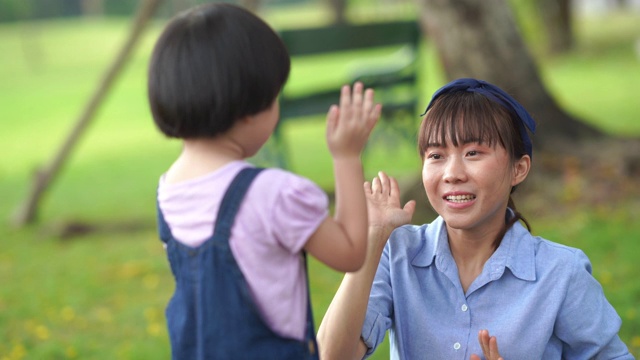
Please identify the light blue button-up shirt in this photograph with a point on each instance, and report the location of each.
(537, 297)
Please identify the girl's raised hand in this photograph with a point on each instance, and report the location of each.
(350, 123)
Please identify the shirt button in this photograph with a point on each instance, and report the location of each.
(456, 346)
(464, 307)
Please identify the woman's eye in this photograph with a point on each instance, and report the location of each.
(434, 156)
(472, 153)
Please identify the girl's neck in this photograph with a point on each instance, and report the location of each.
(202, 156)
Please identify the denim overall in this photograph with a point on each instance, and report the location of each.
(212, 314)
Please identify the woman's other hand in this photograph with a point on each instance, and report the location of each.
(489, 346)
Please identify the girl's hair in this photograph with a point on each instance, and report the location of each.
(212, 65)
(462, 117)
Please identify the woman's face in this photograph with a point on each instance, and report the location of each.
(469, 185)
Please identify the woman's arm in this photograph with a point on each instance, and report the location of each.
(339, 332)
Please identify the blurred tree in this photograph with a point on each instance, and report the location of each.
(557, 21)
(480, 39)
(251, 5)
(339, 8)
(92, 7)
(43, 177)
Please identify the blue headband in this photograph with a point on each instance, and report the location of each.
(496, 95)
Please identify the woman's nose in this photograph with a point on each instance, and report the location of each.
(454, 170)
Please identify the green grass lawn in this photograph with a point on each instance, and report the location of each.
(102, 295)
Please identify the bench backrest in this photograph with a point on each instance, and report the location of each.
(394, 78)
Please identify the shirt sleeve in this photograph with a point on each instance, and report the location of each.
(378, 318)
(587, 323)
(299, 209)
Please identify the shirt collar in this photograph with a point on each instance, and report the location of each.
(516, 251)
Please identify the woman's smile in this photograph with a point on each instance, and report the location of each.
(459, 200)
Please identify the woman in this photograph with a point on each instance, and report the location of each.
(474, 281)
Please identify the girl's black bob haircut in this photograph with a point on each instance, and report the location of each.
(212, 65)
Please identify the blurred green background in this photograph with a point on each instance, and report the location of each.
(90, 279)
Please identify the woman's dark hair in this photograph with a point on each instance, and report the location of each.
(462, 117)
(211, 66)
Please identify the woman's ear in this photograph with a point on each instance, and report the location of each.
(521, 170)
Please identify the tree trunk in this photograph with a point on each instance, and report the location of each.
(339, 8)
(557, 21)
(43, 178)
(92, 7)
(251, 5)
(480, 39)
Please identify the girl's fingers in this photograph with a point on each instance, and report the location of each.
(374, 115)
(345, 101)
(357, 93)
(368, 101)
(356, 101)
(332, 118)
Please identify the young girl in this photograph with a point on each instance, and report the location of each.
(235, 235)
(475, 281)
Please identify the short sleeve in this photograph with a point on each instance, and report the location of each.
(587, 323)
(299, 209)
(378, 318)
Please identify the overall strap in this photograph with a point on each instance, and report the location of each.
(163, 228)
(310, 330)
(231, 202)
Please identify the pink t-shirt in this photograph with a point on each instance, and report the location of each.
(278, 215)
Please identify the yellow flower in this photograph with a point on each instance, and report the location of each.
(42, 332)
(606, 278)
(151, 281)
(67, 313)
(104, 315)
(130, 270)
(151, 314)
(154, 329)
(18, 352)
(71, 352)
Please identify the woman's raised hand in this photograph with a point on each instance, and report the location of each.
(350, 123)
(383, 205)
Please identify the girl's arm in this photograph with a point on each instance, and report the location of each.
(339, 333)
(340, 242)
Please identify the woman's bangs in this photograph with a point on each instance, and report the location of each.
(461, 120)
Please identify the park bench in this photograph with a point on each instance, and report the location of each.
(382, 55)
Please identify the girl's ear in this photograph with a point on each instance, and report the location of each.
(246, 119)
(521, 170)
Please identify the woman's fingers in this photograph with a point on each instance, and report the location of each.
(376, 186)
(489, 345)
